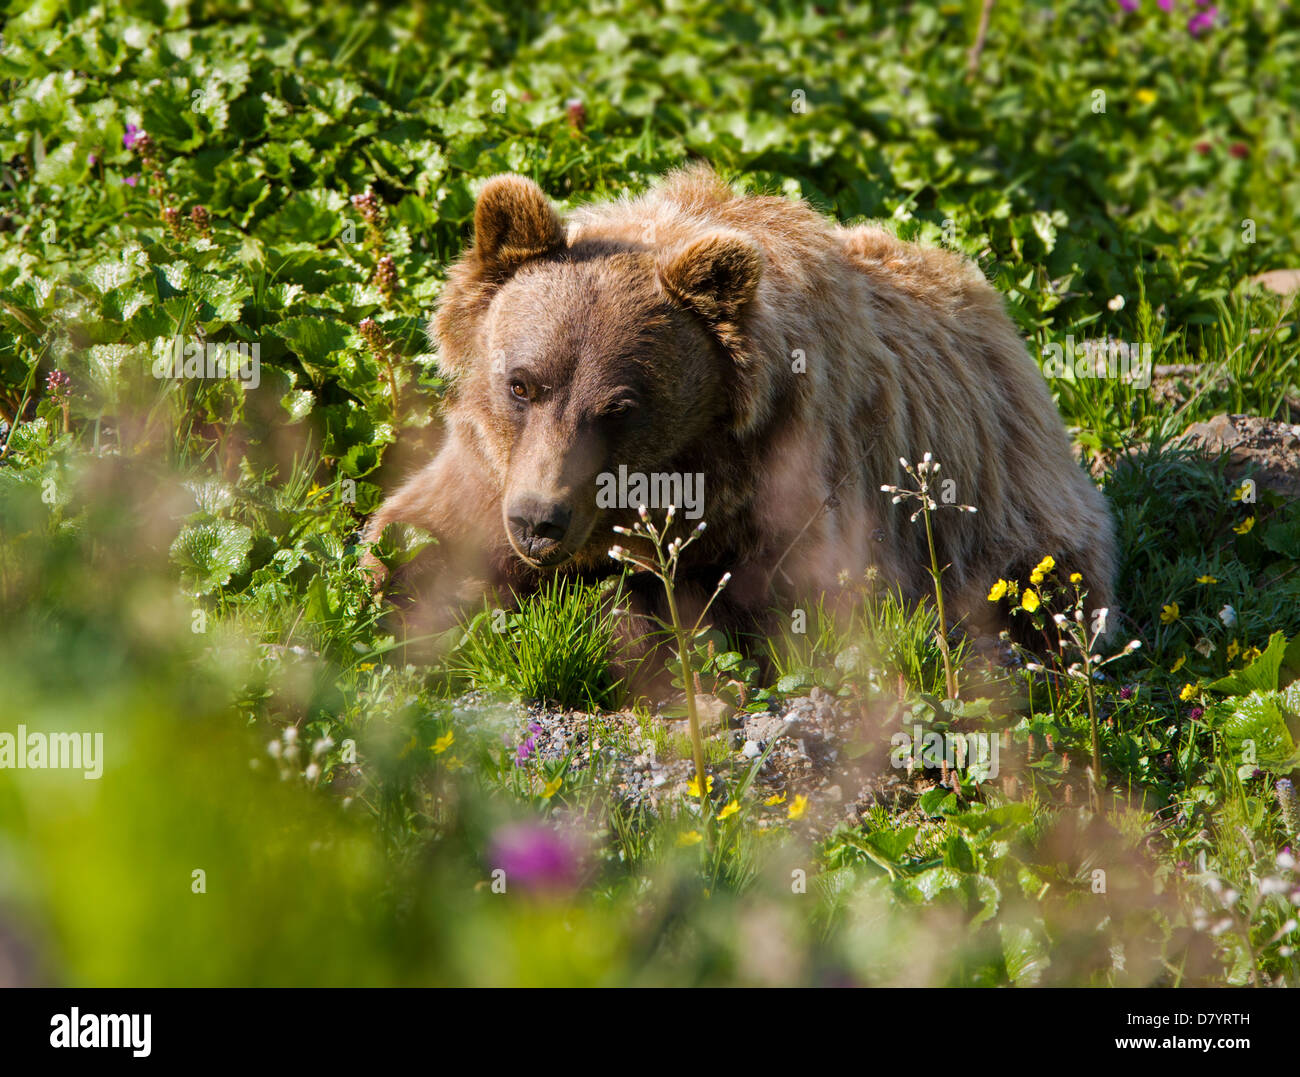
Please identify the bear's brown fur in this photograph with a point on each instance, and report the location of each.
(789, 360)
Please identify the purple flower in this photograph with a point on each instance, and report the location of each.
(1195, 714)
(1201, 21)
(132, 136)
(1126, 692)
(525, 751)
(131, 181)
(1166, 5)
(1129, 5)
(535, 857)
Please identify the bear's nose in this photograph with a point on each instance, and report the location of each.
(538, 526)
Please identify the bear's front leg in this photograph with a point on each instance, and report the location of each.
(453, 499)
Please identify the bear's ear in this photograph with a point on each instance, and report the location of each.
(716, 276)
(514, 222)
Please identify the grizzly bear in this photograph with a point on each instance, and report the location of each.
(758, 361)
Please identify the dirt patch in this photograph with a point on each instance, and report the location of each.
(1267, 448)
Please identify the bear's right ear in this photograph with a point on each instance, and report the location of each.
(514, 222)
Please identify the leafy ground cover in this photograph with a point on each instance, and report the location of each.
(288, 797)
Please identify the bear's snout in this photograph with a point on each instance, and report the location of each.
(538, 527)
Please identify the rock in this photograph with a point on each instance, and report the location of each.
(1281, 281)
(751, 750)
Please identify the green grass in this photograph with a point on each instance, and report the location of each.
(180, 563)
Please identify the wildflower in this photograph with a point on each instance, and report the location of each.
(1228, 616)
(1170, 613)
(1126, 692)
(691, 837)
(797, 807)
(132, 136)
(535, 856)
(1182, 660)
(1290, 805)
(774, 800)
(729, 810)
(1241, 491)
(444, 742)
(1030, 601)
(552, 787)
(693, 786)
(1129, 5)
(1076, 577)
(1189, 690)
(1246, 525)
(1202, 21)
(368, 206)
(576, 112)
(312, 772)
(1042, 569)
(1239, 150)
(57, 384)
(385, 278)
(1116, 303)
(1250, 654)
(1205, 646)
(1234, 649)
(1195, 714)
(1207, 579)
(997, 590)
(202, 221)
(1145, 96)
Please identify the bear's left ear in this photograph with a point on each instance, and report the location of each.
(716, 276)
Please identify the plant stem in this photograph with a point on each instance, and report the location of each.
(949, 677)
(688, 682)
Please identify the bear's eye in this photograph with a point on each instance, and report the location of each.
(618, 407)
(519, 391)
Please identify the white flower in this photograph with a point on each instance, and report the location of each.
(1228, 616)
(290, 735)
(312, 772)
(273, 749)
(1116, 303)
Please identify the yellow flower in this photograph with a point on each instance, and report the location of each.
(1076, 577)
(1182, 661)
(729, 810)
(1240, 491)
(1251, 653)
(1245, 526)
(774, 800)
(798, 807)
(444, 742)
(691, 837)
(1188, 691)
(1042, 569)
(552, 787)
(1207, 579)
(1234, 649)
(1029, 600)
(365, 667)
(1145, 96)
(1170, 613)
(693, 786)
(997, 590)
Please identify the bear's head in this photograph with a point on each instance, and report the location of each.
(573, 356)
